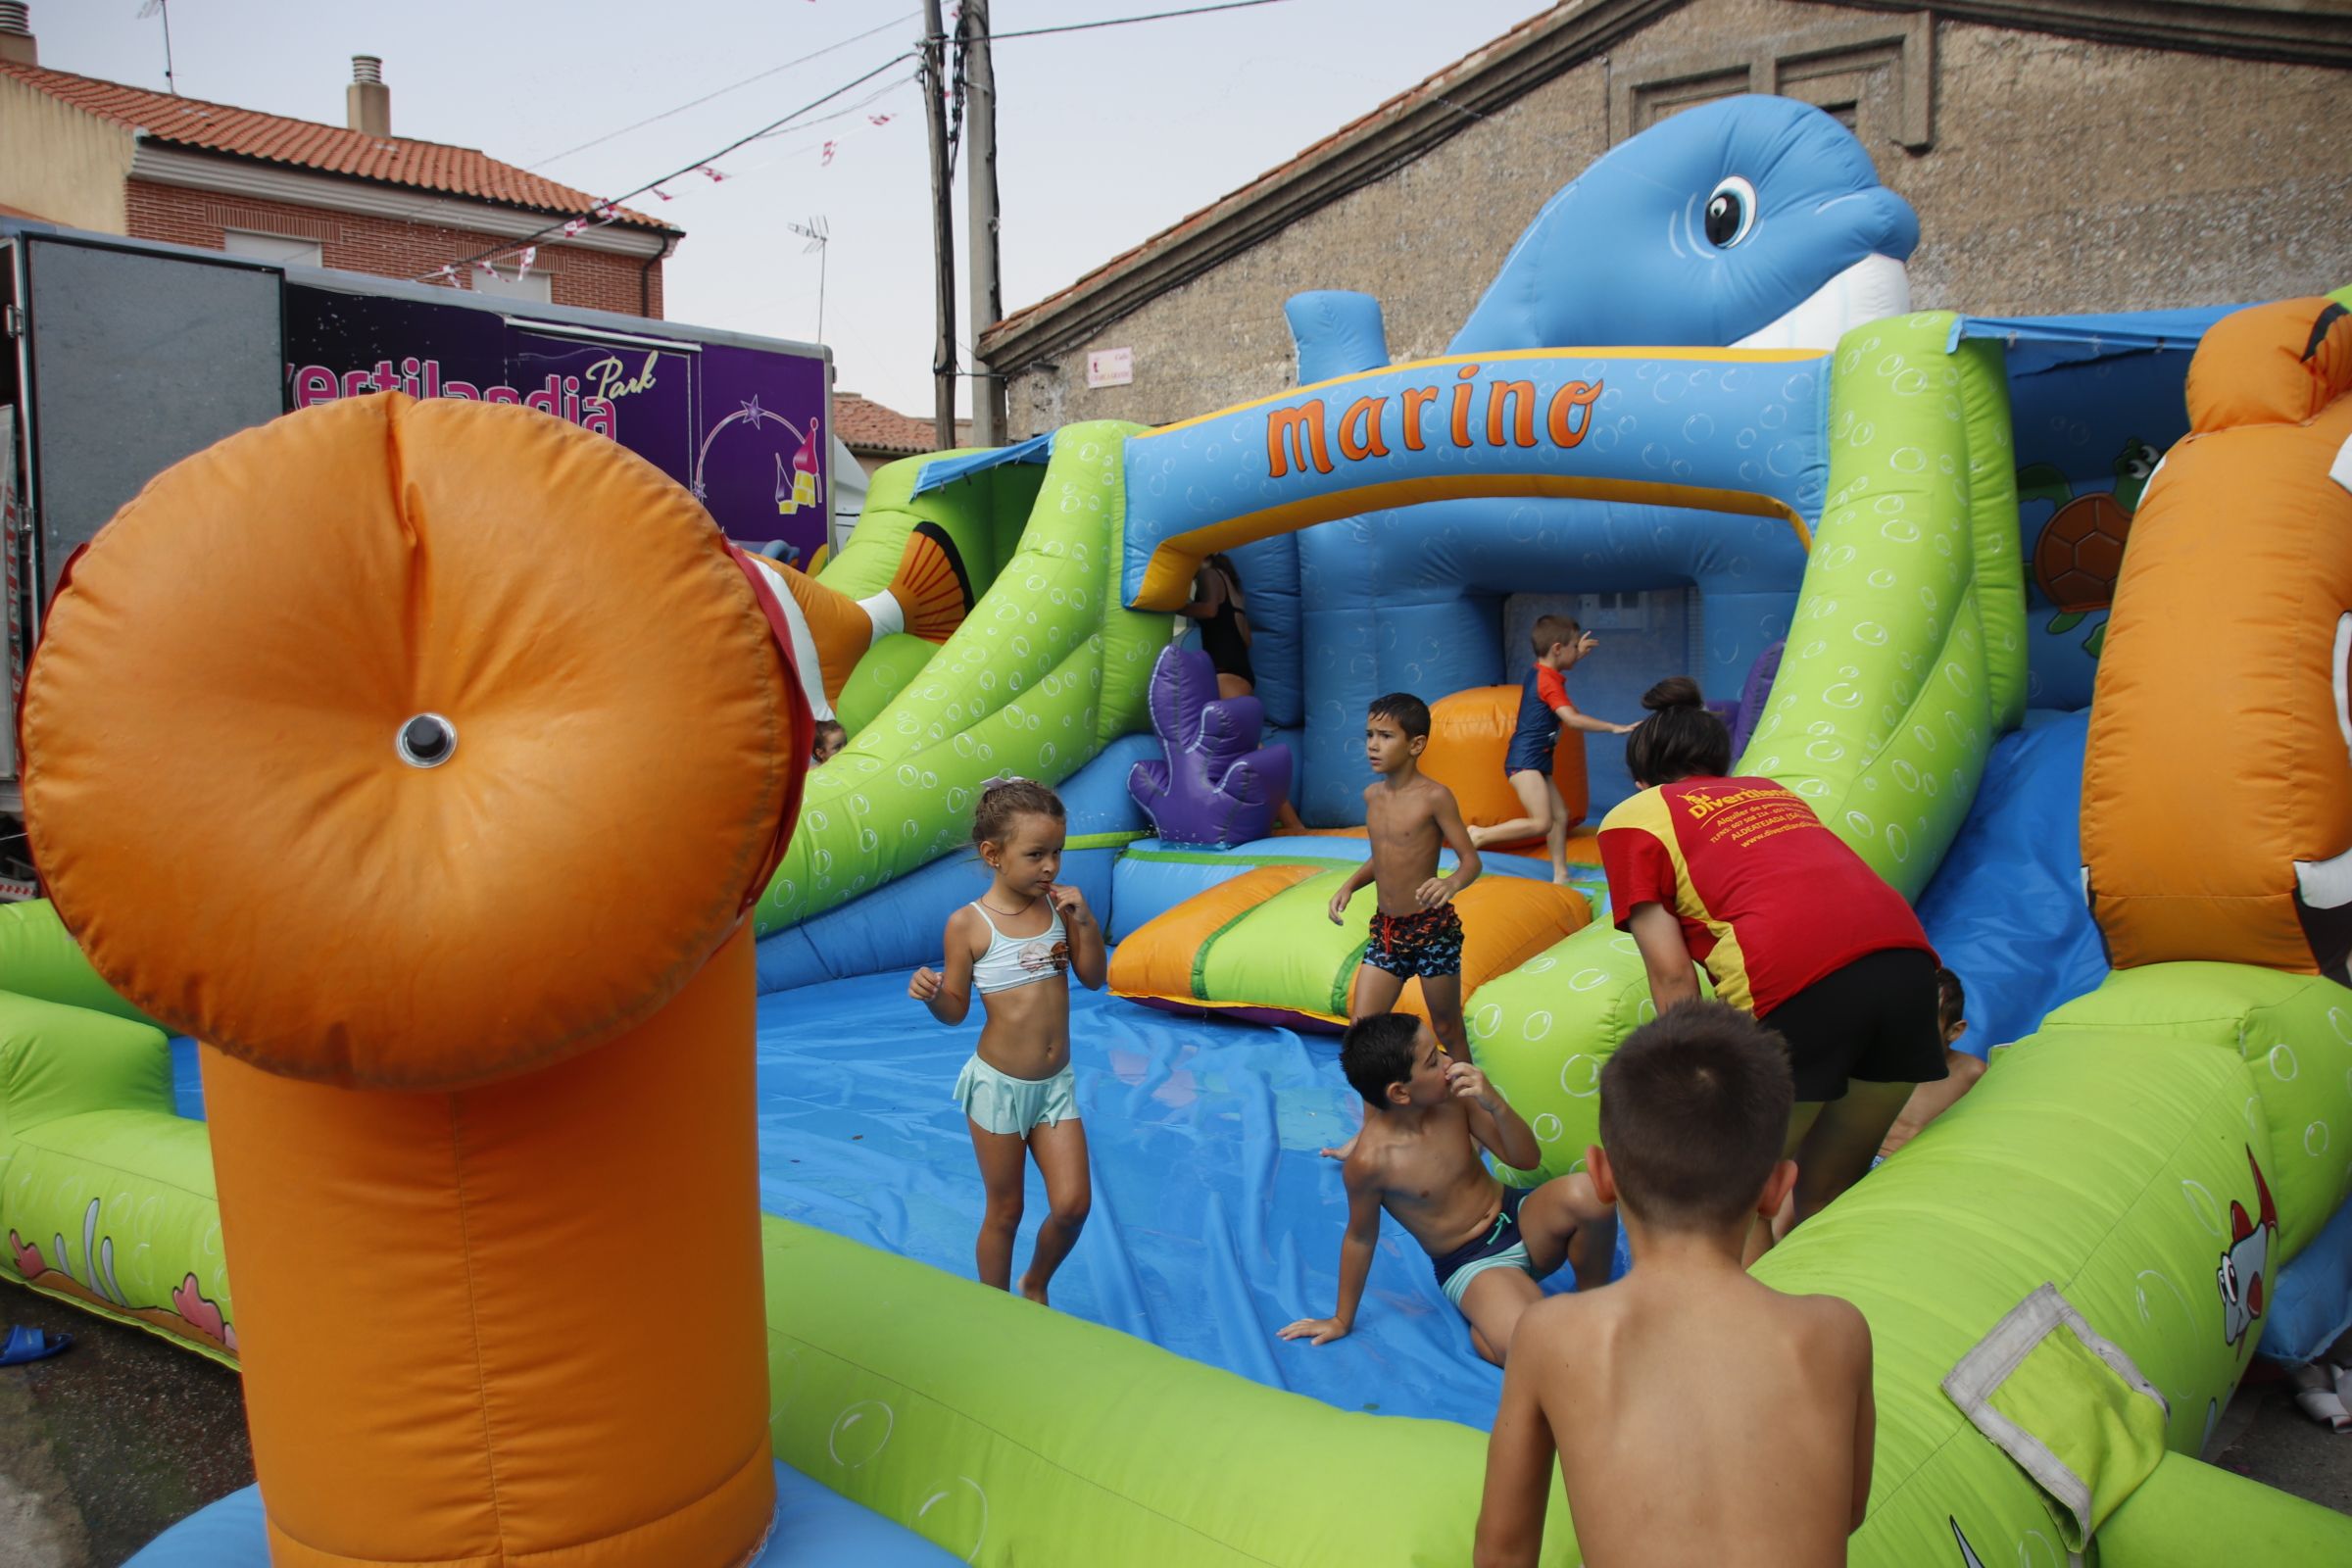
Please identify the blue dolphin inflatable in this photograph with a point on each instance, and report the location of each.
(1724, 226)
(1746, 222)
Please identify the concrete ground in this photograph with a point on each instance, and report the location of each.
(103, 1446)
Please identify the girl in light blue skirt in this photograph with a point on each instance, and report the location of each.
(1015, 948)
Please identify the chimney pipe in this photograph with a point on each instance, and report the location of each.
(367, 102)
(16, 33)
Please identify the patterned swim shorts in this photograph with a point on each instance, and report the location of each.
(1417, 946)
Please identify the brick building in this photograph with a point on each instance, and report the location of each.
(97, 155)
(2062, 155)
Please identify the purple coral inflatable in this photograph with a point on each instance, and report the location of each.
(1216, 785)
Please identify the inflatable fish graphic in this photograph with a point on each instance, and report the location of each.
(2246, 1265)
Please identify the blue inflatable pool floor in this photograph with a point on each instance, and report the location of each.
(1215, 1221)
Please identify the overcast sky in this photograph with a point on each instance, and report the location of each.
(1104, 137)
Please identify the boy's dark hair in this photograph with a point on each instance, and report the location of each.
(1551, 630)
(1410, 713)
(831, 729)
(1693, 1113)
(1680, 738)
(1951, 999)
(1376, 1052)
(1003, 800)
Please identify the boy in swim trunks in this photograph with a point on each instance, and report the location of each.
(1697, 1415)
(1416, 932)
(1543, 709)
(1426, 1117)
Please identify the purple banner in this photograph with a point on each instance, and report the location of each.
(741, 428)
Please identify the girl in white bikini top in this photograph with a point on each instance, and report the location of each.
(1012, 961)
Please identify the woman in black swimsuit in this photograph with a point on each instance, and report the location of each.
(1217, 604)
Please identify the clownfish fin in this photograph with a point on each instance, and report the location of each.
(931, 585)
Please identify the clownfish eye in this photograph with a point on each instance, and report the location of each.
(1731, 212)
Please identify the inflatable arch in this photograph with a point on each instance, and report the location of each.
(1559, 472)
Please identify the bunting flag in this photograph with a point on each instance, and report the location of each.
(879, 120)
(706, 168)
(664, 195)
(830, 149)
(522, 269)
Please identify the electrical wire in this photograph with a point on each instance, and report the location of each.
(775, 125)
(768, 130)
(1125, 21)
(696, 103)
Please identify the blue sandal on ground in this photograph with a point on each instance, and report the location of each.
(32, 1344)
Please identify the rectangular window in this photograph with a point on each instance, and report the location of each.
(280, 248)
(532, 286)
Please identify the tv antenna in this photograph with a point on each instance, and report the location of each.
(163, 9)
(816, 232)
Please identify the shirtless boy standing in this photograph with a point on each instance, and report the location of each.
(1701, 1417)
(1425, 1119)
(1416, 932)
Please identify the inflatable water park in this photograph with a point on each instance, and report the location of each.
(497, 1042)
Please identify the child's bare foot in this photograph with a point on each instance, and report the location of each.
(1559, 874)
(1035, 1290)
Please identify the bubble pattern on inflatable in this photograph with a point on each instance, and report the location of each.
(1901, 661)
(1046, 671)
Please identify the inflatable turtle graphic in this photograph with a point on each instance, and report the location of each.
(2082, 547)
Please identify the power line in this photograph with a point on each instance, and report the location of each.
(605, 207)
(1126, 22)
(696, 103)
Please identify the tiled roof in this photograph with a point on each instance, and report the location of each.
(866, 425)
(308, 144)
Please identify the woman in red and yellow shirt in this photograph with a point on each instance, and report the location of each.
(1793, 927)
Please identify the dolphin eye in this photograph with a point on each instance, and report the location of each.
(1731, 212)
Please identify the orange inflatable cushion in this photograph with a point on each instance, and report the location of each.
(215, 799)
(2276, 364)
(1470, 736)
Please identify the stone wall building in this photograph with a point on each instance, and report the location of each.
(2100, 155)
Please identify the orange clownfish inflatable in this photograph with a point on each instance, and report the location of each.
(2217, 786)
(340, 740)
(928, 597)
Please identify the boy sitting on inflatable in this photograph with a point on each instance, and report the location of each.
(1698, 1414)
(1425, 1117)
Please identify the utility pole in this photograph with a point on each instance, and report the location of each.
(943, 226)
(988, 291)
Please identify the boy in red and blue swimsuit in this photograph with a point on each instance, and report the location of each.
(1544, 708)
(1416, 932)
